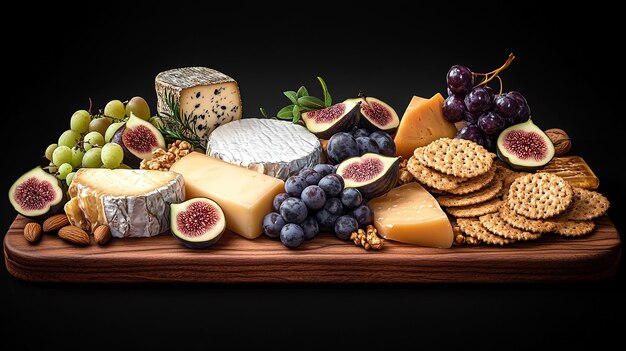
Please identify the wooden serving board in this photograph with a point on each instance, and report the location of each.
(324, 259)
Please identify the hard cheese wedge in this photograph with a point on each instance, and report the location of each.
(409, 214)
(422, 123)
(244, 195)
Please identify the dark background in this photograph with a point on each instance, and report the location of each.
(571, 79)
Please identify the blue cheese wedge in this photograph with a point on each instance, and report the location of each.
(205, 98)
(268, 146)
(133, 203)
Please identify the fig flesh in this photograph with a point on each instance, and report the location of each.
(524, 146)
(197, 222)
(341, 117)
(138, 138)
(378, 115)
(37, 194)
(372, 174)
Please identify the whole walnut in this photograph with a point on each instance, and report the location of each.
(560, 139)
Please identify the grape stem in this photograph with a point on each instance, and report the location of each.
(494, 74)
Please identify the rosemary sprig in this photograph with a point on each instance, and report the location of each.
(180, 127)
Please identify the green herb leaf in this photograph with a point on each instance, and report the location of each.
(291, 95)
(311, 102)
(263, 112)
(327, 99)
(302, 92)
(286, 112)
(296, 113)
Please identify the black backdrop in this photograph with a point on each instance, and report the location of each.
(571, 80)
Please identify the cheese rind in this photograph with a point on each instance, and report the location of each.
(207, 98)
(423, 122)
(410, 214)
(276, 148)
(244, 195)
(133, 203)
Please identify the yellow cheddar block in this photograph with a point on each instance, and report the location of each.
(410, 214)
(244, 195)
(423, 122)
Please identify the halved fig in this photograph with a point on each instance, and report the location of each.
(138, 138)
(341, 117)
(198, 222)
(377, 115)
(37, 194)
(372, 174)
(524, 146)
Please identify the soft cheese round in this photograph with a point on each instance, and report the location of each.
(268, 146)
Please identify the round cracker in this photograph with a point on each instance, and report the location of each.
(497, 226)
(474, 184)
(485, 194)
(523, 223)
(457, 157)
(574, 228)
(431, 177)
(586, 205)
(539, 195)
(473, 228)
(476, 210)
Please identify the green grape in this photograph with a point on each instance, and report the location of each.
(50, 150)
(111, 131)
(77, 157)
(52, 168)
(61, 155)
(124, 166)
(112, 155)
(93, 139)
(69, 178)
(156, 121)
(115, 109)
(139, 107)
(64, 170)
(99, 125)
(69, 138)
(80, 121)
(92, 158)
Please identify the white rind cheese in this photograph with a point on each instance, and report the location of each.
(268, 146)
(207, 98)
(133, 203)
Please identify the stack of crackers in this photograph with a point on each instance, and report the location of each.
(470, 184)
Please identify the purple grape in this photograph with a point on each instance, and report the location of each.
(365, 145)
(489, 142)
(294, 185)
(305, 171)
(324, 169)
(471, 132)
(460, 79)
(310, 228)
(351, 198)
(523, 113)
(364, 215)
(492, 93)
(506, 105)
(272, 224)
(386, 145)
(331, 185)
(360, 132)
(325, 220)
(453, 108)
(469, 117)
(449, 91)
(339, 178)
(293, 210)
(340, 147)
(491, 123)
(344, 226)
(334, 206)
(312, 177)
(478, 100)
(292, 235)
(313, 197)
(278, 199)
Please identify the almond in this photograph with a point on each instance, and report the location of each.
(102, 234)
(74, 235)
(32, 232)
(55, 222)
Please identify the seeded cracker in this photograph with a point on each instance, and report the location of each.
(473, 228)
(485, 194)
(539, 195)
(477, 210)
(523, 223)
(430, 177)
(496, 225)
(474, 184)
(457, 157)
(586, 205)
(574, 228)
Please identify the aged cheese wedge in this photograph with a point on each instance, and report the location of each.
(244, 195)
(133, 203)
(205, 98)
(422, 123)
(409, 214)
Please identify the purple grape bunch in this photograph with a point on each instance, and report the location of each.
(485, 113)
